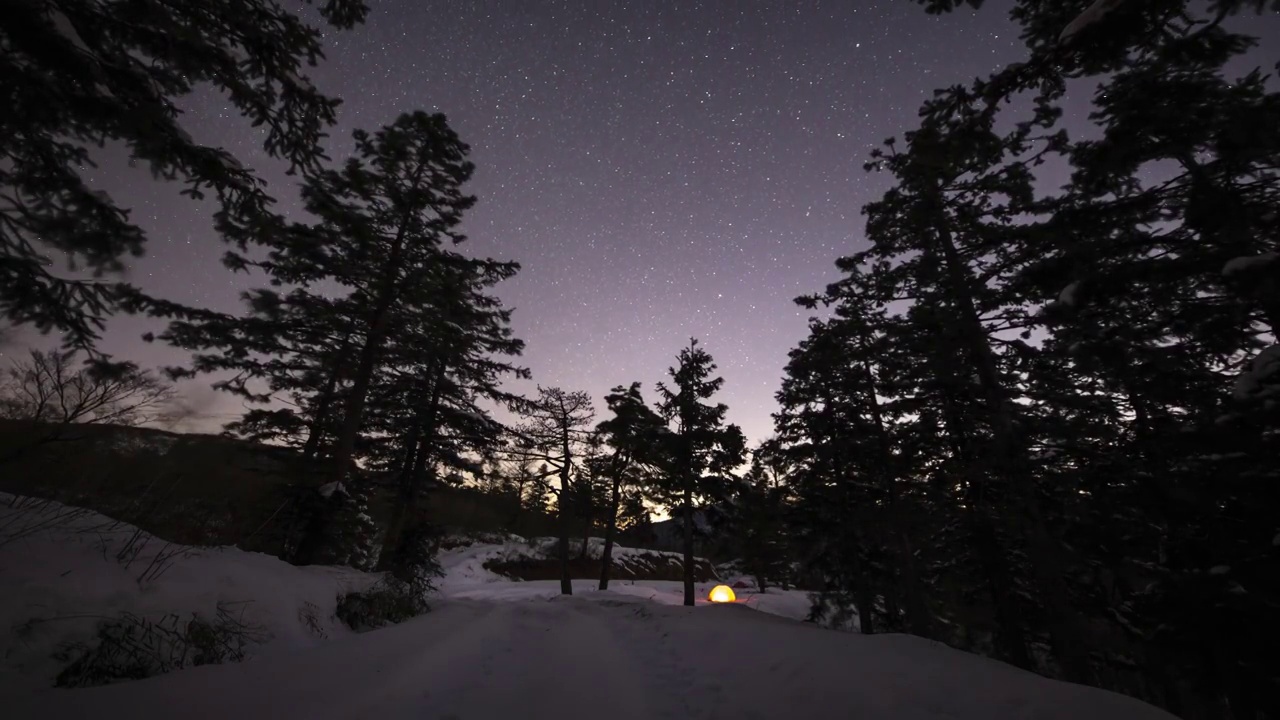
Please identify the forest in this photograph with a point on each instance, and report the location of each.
(1040, 423)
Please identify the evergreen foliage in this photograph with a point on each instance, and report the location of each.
(1041, 423)
(699, 450)
(79, 75)
(374, 340)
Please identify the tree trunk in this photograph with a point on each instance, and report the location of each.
(566, 583)
(353, 418)
(400, 512)
(919, 620)
(379, 324)
(892, 611)
(1045, 553)
(866, 599)
(1010, 633)
(610, 527)
(1009, 636)
(586, 529)
(518, 508)
(421, 436)
(311, 450)
(566, 495)
(688, 544)
(410, 455)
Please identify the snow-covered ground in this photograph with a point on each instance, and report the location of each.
(492, 648)
(466, 579)
(605, 655)
(62, 573)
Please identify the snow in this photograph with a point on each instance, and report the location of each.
(1068, 295)
(61, 577)
(1091, 15)
(464, 563)
(1262, 379)
(464, 566)
(328, 489)
(1219, 570)
(494, 647)
(466, 578)
(791, 604)
(1249, 263)
(62, 24)
(603, 656)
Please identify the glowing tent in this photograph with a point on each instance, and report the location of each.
(721, 594)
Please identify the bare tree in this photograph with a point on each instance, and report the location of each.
(557, 426)
(51, 388)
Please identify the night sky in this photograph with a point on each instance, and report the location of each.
(660, 169)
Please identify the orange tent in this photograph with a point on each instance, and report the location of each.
(721, 594)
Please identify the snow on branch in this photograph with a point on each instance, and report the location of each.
(1258, 382)
(1091, 15)
(1249, 263)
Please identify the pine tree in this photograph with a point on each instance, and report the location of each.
(962, 204)
(1164, 292)
(1134, 406)
(393, 365)
(443, 365)
(631, 433)
(384, 219)
(852, 474)
(556, 429)
(700, 449)
(81, 74)
(757, 519)
(1158, 265)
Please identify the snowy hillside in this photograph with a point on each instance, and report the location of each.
(70, 570)
(66, 570)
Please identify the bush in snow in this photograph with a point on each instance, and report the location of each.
(309, 616)
(402, 594)
(131, 647)
(389, 602)
(834, 609)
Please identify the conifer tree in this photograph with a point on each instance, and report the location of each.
(700, 449)
(847, 389)
(631, 433)
(1162, 292)
(79, 74)
(385, 218)
(555, 433)
(394, 364)
(443, 366)
(1107, 456)
(757, 519)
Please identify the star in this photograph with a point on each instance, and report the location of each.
(640, 160)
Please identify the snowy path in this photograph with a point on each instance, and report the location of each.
(602, 655)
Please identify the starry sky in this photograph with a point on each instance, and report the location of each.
(661, 169)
